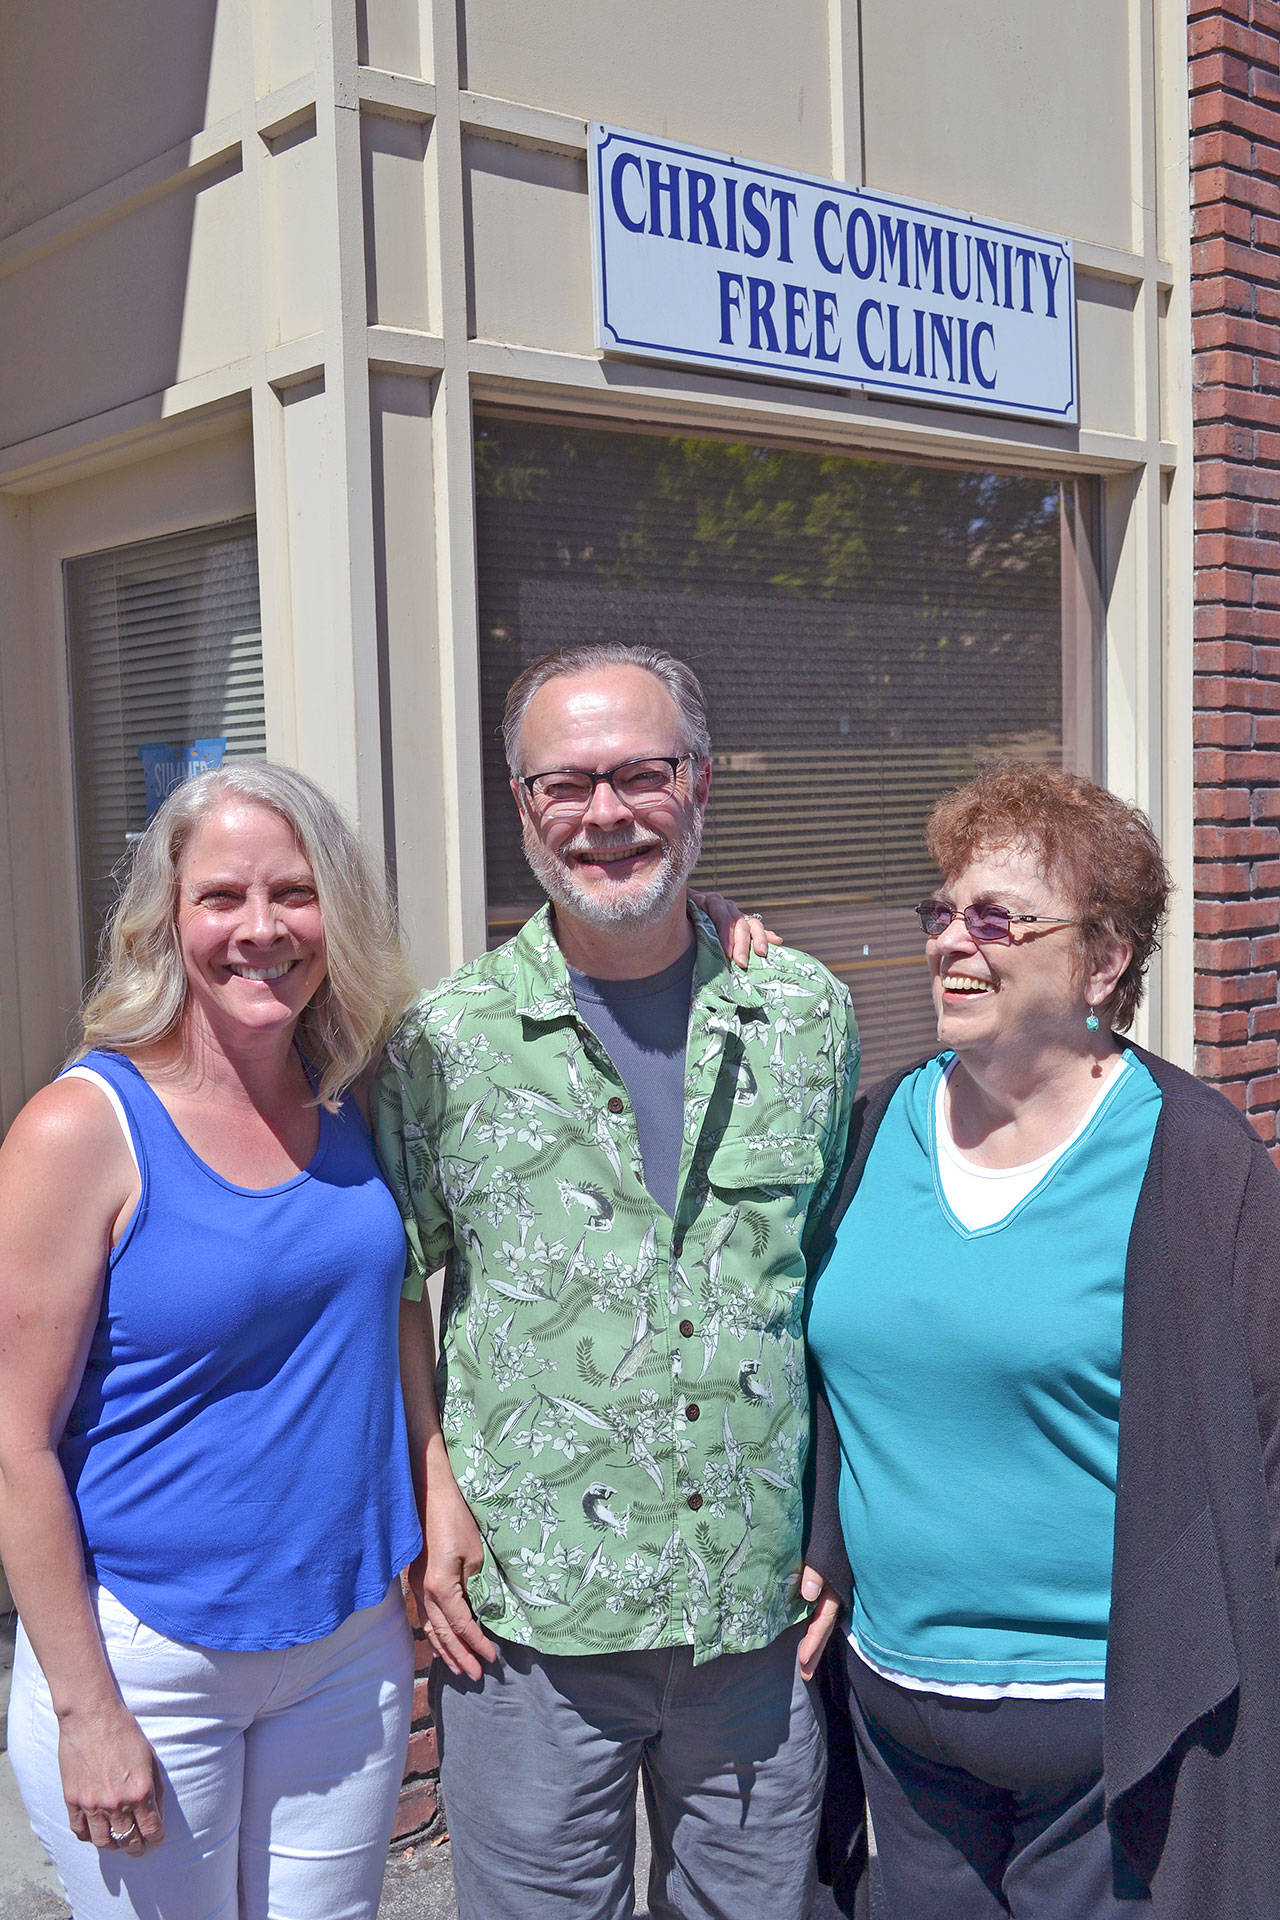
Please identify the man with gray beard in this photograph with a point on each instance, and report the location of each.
(613, 1141)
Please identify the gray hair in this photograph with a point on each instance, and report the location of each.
(140, 993)
(680, 681)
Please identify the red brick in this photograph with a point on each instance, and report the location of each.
(1265, 1091)
(1235, 693)
(1216, 293)
(1219, 72)
(1234, 989)
(1225, 513)
(1218, 86)
(1222, 148)
(1221, 878)
(1240, 843)
(1232, 1026)
(1265, 15)
(1266, 233)
(1259, 623)
(1266, 950)
(1265, 1021)
(1266, 518)
(1244, 769)
(1231, 332)
(1266, 660)
(1266, 876)
(1246, 482)
(1260, 121)
(1233, 585)
(416, 1808)
(1240, 404)
(1211, 185)
(421, 1699)
(1233, 258)
(1235, 550)
(1223, 656)
(1219, 1061)
(1208, 35)
(1222, 219)
(1221, 957)
(1266, 589)
(1222, 729)
(424, 1756)
(1223, 441)
(1266, 730)
(1212, 621)
(1265, 801)
(1240, 916)
(1222, 803)
(1225, 692)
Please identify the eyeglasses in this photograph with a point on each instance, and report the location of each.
(637, 783)
(989, 926)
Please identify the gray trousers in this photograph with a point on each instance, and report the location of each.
(539, 1763)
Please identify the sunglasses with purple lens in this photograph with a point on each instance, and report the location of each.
(989, 926)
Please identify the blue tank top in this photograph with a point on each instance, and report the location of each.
(236, 1450)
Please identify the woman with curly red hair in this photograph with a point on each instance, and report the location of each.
(1047, 1322)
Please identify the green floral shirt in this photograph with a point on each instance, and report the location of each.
(623, 1393)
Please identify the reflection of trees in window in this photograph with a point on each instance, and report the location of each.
(862, 629)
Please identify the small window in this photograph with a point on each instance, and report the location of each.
(865, 631)
(166, 677)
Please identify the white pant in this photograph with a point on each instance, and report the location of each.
(281, 1772)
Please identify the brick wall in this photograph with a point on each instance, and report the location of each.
(420, 1790)
(1234, 54)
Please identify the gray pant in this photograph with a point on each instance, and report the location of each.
(539, 1762)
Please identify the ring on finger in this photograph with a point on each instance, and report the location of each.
(128, 1833)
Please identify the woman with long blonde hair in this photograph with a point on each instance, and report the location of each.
(204, 1487)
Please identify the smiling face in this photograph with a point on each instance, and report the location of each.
(611, 865)
(250, 930)
(1030, 995)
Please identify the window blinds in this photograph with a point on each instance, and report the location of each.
(864, 631)
(165, 649)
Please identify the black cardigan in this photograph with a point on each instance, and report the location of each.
(1192, 1728)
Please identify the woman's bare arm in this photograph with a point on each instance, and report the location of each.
(66, 1180)
(453, 1547)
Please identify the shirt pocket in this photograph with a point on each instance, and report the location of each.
(765, 1167)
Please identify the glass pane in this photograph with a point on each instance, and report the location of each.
(864, 631)
(165, 651)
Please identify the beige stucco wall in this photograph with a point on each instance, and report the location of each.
(256, 252)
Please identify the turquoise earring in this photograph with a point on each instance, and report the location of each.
(1092, 1021)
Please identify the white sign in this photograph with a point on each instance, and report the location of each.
(712, 261)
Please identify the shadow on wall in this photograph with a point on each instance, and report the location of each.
(127, 240)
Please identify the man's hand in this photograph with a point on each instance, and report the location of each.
(454, 1551)
(825, 1605)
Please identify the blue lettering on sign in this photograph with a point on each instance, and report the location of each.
(620, 207)
(947, 306)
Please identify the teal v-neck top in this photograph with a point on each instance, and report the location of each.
(974, 1377)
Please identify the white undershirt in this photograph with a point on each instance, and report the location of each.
(96, 1080)
(979, 1196)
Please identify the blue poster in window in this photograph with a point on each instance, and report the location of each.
(165, 768)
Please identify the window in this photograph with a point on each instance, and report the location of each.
(865, 632)
(165, 651)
